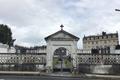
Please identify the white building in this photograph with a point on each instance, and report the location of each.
(38, 49)
(62, 42)
(100, 41)
(103, 42)
(6, 49)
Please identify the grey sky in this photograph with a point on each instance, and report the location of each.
(32, 20)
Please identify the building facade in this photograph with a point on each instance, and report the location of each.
(105, 41)
(63, 44)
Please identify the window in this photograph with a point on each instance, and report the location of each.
(96, 42)
(92, 42)
(87, 38)
(109, 41)
(111, 36)
(97, 47)
(88, 42)
(114, 36)
(98, 37)
(114, 41)
(105, 42)
(84, 42)
(104, 37)
(90, 38)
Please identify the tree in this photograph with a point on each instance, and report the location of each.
(6, 35)
(117, 47)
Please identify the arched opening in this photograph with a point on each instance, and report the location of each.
(60, 60)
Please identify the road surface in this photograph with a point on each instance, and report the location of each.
(11, 77)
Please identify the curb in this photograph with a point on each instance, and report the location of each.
(103, 76)
(21, 73)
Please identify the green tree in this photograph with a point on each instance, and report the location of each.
(5, 35)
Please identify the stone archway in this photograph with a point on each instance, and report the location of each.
(60, 60)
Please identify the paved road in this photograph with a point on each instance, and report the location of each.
(45, 78)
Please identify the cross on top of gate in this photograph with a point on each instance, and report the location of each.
(61, 26)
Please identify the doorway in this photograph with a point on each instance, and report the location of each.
(60, 60)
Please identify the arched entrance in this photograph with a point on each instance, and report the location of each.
(61, 63)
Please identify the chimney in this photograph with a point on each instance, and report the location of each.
(103, 33)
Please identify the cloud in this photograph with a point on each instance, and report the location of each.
(32, 20)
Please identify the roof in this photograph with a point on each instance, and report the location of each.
(109, 34)
(62, 31)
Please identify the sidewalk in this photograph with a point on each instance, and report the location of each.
(19, 72)
(102, 76)
(86, 76)
(58, 74)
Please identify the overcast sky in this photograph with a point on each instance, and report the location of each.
(32, 20)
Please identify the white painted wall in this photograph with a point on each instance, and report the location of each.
(82, 51)
(113, 51)
(71, 46)
(5, 49)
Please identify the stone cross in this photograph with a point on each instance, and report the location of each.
(61, 26)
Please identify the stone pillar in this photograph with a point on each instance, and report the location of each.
(49, 57)
(75, 63)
